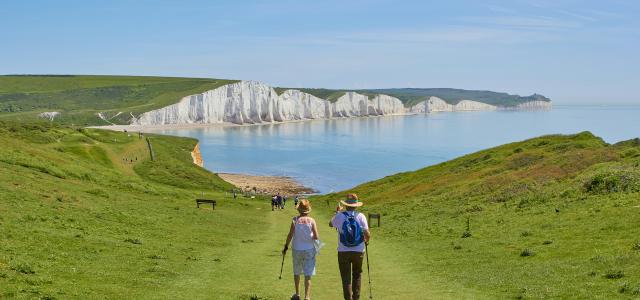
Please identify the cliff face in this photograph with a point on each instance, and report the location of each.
(251, 102)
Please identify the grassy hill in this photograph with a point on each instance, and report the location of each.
(81, 98)
(551, 217)
(86, 214)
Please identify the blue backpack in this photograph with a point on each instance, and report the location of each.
(351, 234)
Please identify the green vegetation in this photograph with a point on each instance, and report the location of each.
(551, 217)
(81, 98)
(86, 214)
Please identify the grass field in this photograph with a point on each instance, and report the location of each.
(85, 214)
(81, 98)
(551, 217)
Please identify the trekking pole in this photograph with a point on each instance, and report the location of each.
(366, 250)
(282, 265)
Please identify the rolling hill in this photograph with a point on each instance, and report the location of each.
(551, 217)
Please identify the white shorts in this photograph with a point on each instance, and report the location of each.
(304, 262)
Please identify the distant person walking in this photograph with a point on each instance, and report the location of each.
(295, 200)
(353, 234)
(279, 201)
(274, 203)
(303, 233)
(284, 201)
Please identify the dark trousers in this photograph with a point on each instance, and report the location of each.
(350, 264)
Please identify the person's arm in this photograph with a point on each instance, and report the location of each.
(314, 229)
(367, 236)
(338, 209)
(289, 237)
(365, 227)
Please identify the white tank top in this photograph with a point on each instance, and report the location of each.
(302, 236)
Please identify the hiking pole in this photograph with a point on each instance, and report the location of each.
(282, 265)
(366, 250)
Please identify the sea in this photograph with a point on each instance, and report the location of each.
(338, 154)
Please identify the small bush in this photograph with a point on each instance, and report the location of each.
(636, 246)
(527, 252)
(614, 274)
(613, 182)
(466, 234)
(23, 268)
(525, 234)
(547, 242)
(133, 241)
(457, 247)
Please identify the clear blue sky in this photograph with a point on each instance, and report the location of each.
(572, 51)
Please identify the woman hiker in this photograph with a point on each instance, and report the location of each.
(353, 234)
(303, 233)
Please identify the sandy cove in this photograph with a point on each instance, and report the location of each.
(269, 185)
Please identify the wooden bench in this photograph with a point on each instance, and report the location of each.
(206, 201)
(374, 216)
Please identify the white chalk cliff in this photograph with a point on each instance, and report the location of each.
(251, 102)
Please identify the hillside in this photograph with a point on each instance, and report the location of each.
(81, 98)
(85, 214)
(551, 217)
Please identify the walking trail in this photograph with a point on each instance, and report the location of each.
(252, 268)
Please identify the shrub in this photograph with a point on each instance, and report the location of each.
(133, 241)
(525, 233)
(613, 182)
(614, 274)
(23, 268)
(466, 234)
(457, 247)
(547, 242)
(527, 252)
(636, 246)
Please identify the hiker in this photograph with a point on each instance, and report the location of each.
(235, 195)
(353, 234)
(279, 201)
(273, 203)
(303, 235)
(295, 201)
(284, 201)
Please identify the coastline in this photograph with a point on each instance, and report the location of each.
(266, 185)
(155, 128)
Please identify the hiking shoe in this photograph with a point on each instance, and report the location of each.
(295, 297)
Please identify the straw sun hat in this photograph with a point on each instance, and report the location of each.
(352, 201)
(304, 206)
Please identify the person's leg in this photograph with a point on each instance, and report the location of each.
(307, 287)
(296, 280)
(345, 274)
(356, 264)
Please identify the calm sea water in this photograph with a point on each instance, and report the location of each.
(335, 155)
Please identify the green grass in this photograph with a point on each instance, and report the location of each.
(551, 217)
(81, 98)
(517, 244)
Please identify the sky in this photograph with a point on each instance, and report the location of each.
(575, 52)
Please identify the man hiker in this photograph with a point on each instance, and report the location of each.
(353, 234)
